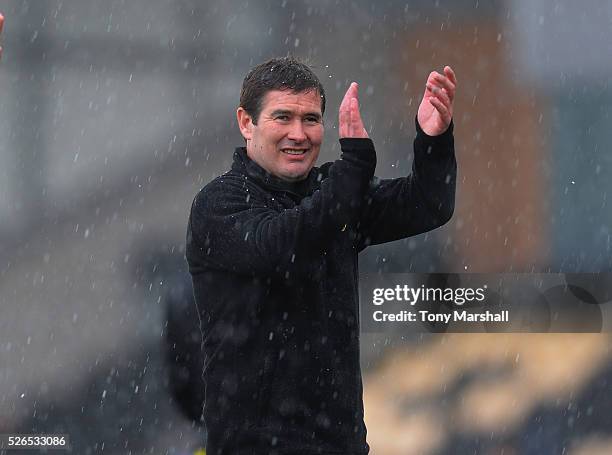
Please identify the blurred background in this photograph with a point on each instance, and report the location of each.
(114, 114)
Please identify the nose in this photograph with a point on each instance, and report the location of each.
(296, 131)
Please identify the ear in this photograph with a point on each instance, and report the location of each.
(245, 123)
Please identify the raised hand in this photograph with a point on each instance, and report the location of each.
(350, 123)
(436, 108)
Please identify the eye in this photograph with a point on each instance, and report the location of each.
(282, 117)
(312, 119)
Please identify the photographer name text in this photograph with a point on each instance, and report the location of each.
(445, 318)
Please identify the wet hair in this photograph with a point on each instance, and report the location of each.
(286, 73)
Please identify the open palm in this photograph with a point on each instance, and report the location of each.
(436, 108)
(349, 121)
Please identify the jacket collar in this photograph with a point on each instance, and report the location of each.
(243, 164)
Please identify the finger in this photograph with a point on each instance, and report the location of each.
(440, 93)
(450, 74)
(356, 123)
(350, 93)
(433, 91)
(430, 83)
(357, 129)
(345, 99)
(344, 115)
(354, 92)
(354, 109)
(344, 118)
(446, 83)
(442, 109)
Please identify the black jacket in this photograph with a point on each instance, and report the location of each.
(274, 268)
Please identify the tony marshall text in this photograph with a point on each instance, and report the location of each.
(428, 316)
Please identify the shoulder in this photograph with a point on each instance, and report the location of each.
(230, 191)
(227, 183)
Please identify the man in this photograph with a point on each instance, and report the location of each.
(272, 249)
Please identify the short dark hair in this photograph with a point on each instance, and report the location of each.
(286, 73)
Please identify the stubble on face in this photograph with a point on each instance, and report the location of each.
(287, 137)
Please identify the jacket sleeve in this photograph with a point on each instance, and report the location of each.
(233, 230)
(424, 200)
(183, 348)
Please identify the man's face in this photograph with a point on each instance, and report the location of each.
(287, 137)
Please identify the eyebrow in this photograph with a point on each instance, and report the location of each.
(287, 112)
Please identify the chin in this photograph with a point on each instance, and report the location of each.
(295, 174)
(294, 177)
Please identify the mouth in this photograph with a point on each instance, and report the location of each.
(294, 152)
